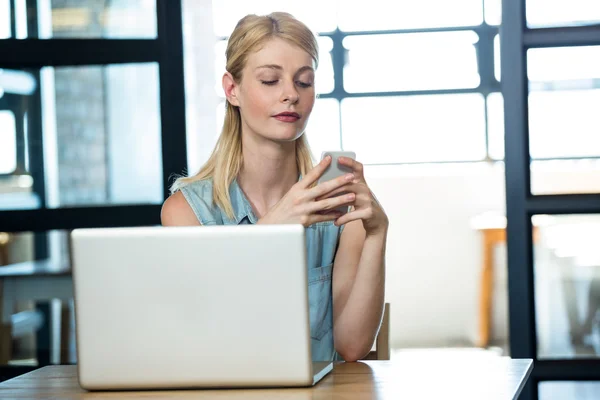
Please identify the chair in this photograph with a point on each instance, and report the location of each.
(382, 342)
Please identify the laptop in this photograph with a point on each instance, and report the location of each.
(192, 307)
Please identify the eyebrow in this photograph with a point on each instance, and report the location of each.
(279, 67)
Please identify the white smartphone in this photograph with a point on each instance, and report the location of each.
(335, 169)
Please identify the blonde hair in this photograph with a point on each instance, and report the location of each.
(225, 162)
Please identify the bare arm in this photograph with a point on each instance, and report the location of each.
(358, 291)
(359, 270)
(177, 212)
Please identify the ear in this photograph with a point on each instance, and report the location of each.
(230, 88)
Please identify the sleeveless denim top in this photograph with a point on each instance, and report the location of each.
(321, 241)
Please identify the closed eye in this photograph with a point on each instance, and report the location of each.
(270, 83)
(304, 84)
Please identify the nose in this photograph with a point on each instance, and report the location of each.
(290, 93)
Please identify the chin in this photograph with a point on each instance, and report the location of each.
(287, 135)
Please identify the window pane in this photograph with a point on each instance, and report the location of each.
(548, 13)
(415, 128)
(385, 14)
(324, 76)
(5, 24)
(567, 286)
(493, 12)
(563, 108)
(445, 60)
(100, 130)
(495, 107)
(568, 390)
(497, 63)
(85, 19)
(8, 142)
(564, 123)
(564, 64)
(227, 13)
(323, 129)
(199, 67)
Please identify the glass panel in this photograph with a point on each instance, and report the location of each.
(100, 130)
(563, 118)
(495, 108)
(497, 63)
(324, 80)
(227, 13)
(424, 128)
(438, 60)
(200, 98)
(567, 285)
(385, 14)
(581, 64)
(82, 19)
(549, 13)
(5, 23)
(323, 129)
(568, 390)
(8, 142)
(493, 12)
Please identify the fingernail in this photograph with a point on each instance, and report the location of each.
(351, 196)
(349, 177)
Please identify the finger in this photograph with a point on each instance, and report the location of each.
(331, 203)
(356, 166)
(314, 174)
(352, 216)
(330, 185)
(348, 188)
(315, 218)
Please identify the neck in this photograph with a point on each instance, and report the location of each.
(268, 172)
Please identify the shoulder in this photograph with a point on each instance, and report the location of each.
(176, 211)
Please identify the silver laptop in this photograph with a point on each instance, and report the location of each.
(192, 307)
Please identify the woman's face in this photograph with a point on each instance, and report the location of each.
(276, 93)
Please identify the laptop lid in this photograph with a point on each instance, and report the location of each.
(211, 306)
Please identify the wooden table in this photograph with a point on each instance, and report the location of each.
(490, 379)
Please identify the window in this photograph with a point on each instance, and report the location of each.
(416, 61)
(551, 13)
(389, 15)
(5, 22)
(413, 93)
(564, 84)
(415, 128)
(100, 130)
(82, 19)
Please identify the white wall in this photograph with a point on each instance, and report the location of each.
(433, 255)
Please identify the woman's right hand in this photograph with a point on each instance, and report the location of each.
(305, 205)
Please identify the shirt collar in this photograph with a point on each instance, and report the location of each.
(240, 204)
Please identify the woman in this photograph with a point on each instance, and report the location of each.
(261, 172)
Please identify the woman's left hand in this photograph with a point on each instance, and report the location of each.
(365, 206)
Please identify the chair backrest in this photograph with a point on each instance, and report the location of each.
(382, 342)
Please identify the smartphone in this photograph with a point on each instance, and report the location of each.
(335, 169)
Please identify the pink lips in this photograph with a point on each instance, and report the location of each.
(287, 117)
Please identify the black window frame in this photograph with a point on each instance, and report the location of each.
(521, 204)
(166, 50)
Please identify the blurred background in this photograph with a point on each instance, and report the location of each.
(101, 101)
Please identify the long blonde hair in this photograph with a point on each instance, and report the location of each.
(225, 162)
